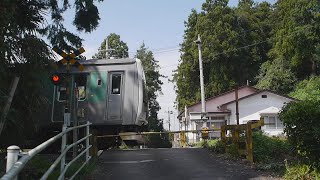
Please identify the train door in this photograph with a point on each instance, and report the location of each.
(97, 96)
(115, 96)
(81, 94)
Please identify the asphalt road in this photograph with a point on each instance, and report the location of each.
(167, 164)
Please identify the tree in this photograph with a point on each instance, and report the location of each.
(308, 89)
(302, 127)
(234, 45)
(119, 48)
(153, 83)
(25, 54)
(295, 41)
(276, 76)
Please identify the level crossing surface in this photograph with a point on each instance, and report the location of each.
(171, 163)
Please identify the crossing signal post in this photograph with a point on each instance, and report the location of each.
(70, 109)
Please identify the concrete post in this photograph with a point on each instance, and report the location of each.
(203, 102)
(12, 157)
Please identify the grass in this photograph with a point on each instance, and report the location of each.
(36, 167)
(301, 171)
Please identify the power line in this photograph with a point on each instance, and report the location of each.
(243, 47)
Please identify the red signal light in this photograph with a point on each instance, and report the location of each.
(56, 79)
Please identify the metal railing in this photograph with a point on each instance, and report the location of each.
(15, 166)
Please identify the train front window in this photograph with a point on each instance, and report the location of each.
(116, 84)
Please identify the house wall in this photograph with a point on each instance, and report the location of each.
(212, 106)
(249, 108)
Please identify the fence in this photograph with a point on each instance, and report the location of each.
(235, 136)
(15, 166)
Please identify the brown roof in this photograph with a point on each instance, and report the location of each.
(265, 90)
(227, 92)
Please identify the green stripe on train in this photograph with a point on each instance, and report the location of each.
(97, 87)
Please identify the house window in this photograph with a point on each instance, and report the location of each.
(217, 117)
(215, 124)
(273, 122)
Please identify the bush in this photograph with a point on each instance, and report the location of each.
(269, 149)
(215, 145)
(302, 126)
(303, 171)
(199, 144)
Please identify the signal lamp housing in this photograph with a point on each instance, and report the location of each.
(56, 79)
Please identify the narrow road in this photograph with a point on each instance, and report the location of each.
(169, 164)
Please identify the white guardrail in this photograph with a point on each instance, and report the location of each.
(14, 166)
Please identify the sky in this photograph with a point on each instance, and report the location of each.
(158, 24)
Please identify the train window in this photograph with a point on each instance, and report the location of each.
(116, 84)
(62, 93)
(81, 82)
(99, 82)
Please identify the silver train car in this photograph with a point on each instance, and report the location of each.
(110, 93)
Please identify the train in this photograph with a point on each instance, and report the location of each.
(109, 93)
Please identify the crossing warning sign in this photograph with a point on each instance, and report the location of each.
(69, 59)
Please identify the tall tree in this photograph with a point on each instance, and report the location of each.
(234, 45)
(295, 41)
(153, 83)
(117, 48)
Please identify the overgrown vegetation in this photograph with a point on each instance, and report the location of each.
(214, 145)
(301, 171)
(270, 149)
(40, 164)
(274, 46)
(302, 126)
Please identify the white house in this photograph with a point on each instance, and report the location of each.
(221, 110)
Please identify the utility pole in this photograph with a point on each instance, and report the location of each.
(237, 104)
(203, 102)
(107, 49)
(169, 112)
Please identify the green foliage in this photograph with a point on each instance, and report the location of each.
(276, 76)
(153, 83)
(120, 48)
(302, 126)
(294, 53)
(234, 45)
(40, 164)
(269, 149)
(308, 89)
(25, 53)
(232, 150)
(35, 168)
(271, 45)
(215, 145)
(199, 144)
(301, 171)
